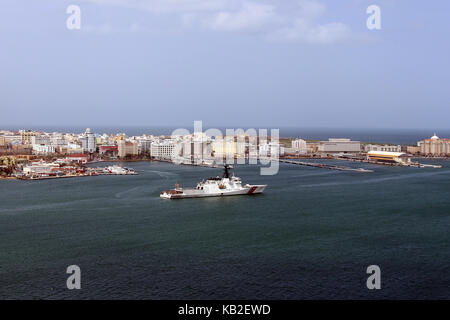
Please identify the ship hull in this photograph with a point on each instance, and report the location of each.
(195, 193)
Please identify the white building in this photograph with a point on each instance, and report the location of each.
(88, 141)
(58, 140)
(163, 150)
(39, 168)
(144, 146)
(195, 147)
(299, 146)
(42, 149)
(334, 145)
(74, 148)
(434, 146)
(379, 147)
(271, 149)
(41, 139)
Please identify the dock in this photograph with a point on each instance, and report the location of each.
(325, 166)
(391, 164)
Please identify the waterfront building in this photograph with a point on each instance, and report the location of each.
(389, 157)
(299, 146)
(334, 145)
(434, 146)
(193, 148)
(224, 147)
(144, 146)
(163, 150)
(2, 141)
(109, 150)
(379, 147)
(312, 147)
(37, 169)
(271, 149)
(127, 148)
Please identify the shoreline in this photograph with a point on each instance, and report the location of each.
(8, 178)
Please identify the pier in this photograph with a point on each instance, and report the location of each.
(391, 164)
(325, 166)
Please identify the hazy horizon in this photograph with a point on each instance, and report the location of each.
(206, 126)
(373, 135)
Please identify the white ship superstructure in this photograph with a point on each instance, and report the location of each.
(215, 187)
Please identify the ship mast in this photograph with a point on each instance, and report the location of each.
(226, 172)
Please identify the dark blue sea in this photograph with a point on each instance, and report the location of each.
(311, 235)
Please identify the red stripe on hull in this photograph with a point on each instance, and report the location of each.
(252, 190)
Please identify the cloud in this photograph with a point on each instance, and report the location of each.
(287, 20)
(311, 9)
(134, 27)
(102, 29)
(106, 29)
(169, 6)
(251, 16)
(308, 32)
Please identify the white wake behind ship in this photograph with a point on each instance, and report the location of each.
(215, 187)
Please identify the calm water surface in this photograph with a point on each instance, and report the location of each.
(311, 235)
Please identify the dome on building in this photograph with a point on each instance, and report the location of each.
(435, 137)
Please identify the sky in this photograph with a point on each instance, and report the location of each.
(247, 63)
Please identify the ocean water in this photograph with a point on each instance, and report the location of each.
(311, 235)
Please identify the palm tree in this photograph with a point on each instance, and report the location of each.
(9, 165)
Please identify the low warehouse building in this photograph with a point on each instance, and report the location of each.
(389, 157)
(334, 145)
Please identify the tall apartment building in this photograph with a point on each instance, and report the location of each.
(127, 148)
(88, 141)
(25, 136)
(434, 146)
(144, 146)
